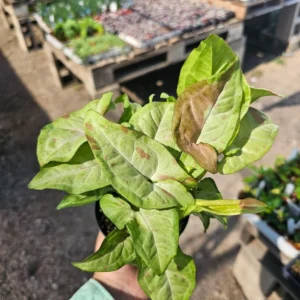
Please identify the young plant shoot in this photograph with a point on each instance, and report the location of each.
(147, 170)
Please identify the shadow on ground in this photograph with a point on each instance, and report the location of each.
(293, 100)
(254, 56)
(37, 242)
(213, 253)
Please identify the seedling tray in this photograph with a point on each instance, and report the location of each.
(183, 16)
(69, 52)
(136, 29)
(94, 58)
(276, 239)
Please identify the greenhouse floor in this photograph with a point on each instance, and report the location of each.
(37, 243)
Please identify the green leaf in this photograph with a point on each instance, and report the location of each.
(164, 96)
(190, 113)
(230, 207)
(224, 117)
(178, 191)
(130, 159)
(167, 97)
(205, 218)
(204, 215)
(207, 189)
(115, 252)
(246, 98)
(297, 191)
(80, 175)
(151, 98)
(155, 120)
(155, 237)
(191, 166)
(222, 219)
(117, 210)
(258, 93)
(255, 138)
(60, 140)
(83, 199)
(129, 108)
(177, 283)
(210, 59)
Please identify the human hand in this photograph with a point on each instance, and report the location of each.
(122, 284)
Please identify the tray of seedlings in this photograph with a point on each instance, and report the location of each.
(279, 188)
(58, 11)
(85, 41)
(135, 29)
(182, 16)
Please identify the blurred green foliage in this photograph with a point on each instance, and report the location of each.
(269, 186)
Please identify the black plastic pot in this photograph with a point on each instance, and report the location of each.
(106, 226)
(288, 274)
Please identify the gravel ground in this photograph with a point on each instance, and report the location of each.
(37, 243)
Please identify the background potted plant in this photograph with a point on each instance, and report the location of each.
(146, 171)
(279, 189)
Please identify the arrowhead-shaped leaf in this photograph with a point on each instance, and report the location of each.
(155, 237)
(60, 140)
(155, 120)
(223, 120)
(258, 93)
(231, 207)
(177, 283)
(80, 175)
(83, 199)
(115, 252)
(117, 210)
(190, 113)
(255, 138)
(130, 159)
(209, 60)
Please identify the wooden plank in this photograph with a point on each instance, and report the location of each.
(4, 17)
(17, 29)
(258, 271)
(53, 66)
(17, 15)
(249, 233)
(275, 268)
(43, 26)
(238, 8)
(254, 279)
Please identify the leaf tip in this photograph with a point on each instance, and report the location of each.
(32, 184)
(60, 206)
(76, 265)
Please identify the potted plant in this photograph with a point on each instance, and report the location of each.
(85, 41)
(146, 170)
(279, 189)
